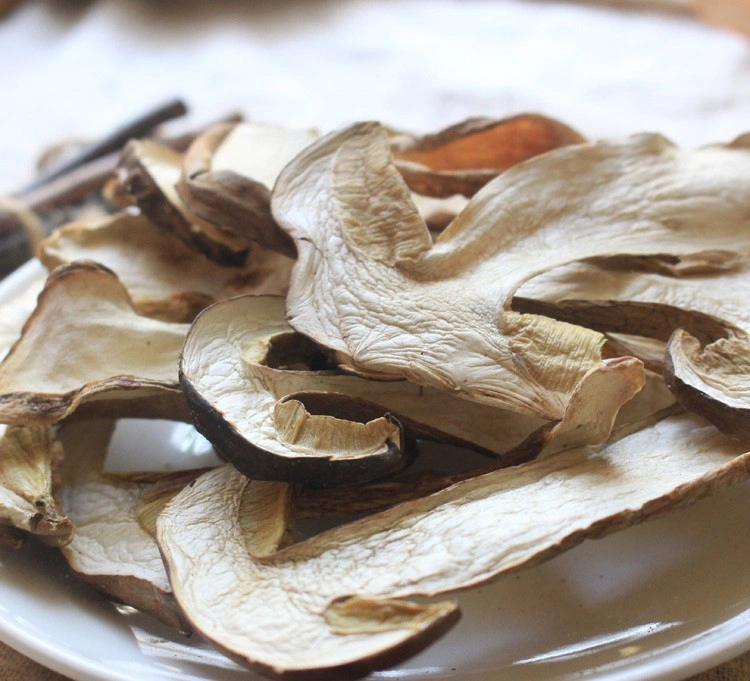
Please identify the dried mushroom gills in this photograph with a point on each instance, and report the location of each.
(84, 346)
(110, 550)
(435, 314)
(29, 460)
(260, 417)
(462, 158)
(165, 278)
(419, 548)
(228, 175)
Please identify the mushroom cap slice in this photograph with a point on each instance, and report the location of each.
(165, 278)
(229, 172)
(111, 550)
(713, 381)
(464, 157)
(29, 460)
(84, 344)
(149, 172)
(260, 417)
(370, 284)
(282, 614)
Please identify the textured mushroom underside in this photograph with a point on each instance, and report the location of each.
(287, 613)
(370, 284)
(84, 342)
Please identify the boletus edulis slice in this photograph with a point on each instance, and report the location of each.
(110, 549)
(250, 383)
(464, 157)
(84, 344)
(334, 605)
(370, 284)
(149, 172)
(229, 172)
(165, 278)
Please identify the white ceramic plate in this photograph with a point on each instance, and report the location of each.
(664, 600)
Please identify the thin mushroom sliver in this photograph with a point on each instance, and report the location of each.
(84, 344)
(370, 284)
(318, 608)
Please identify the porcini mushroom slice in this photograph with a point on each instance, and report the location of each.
(149, 172)
(695, 293)
(19, 306)
(165, 279)
(84, 344)
(462, 158)
(370, 285)
(29, 460)
(283, 614)
(110, 550)
(713, 381)
(259, 416)
(229, 172)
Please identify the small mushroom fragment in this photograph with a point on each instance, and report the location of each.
(165, 279)
(713, 381)
(332, 605)
(464, 157)
(84, 344)
(110, 550)
(370, 285)
(29, 460)
(229, 172)
(260, 417)
(149, 172)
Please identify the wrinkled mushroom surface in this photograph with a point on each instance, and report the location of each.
(370, 284)
(331, 604)
(85, 344)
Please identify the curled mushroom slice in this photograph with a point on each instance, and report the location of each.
(229, 173)
(462, 158)
(370, 284)
(319, 427)
(713, 381)
(165, 279)
(29, 460)
(21, 301)
(149, 172)
(110, 550)
(287, 614)
(84, 344)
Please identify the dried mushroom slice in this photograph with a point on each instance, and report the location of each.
(713, 381)
(318, 427)
(110, 550)
(149, 172)
(85, 346)
(165, 278)
(29, 460)
(332, 604)
(706, 295)
(464, 157)
(229, 173)
(370, 285)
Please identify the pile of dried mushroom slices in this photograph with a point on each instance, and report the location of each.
(574, 312)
